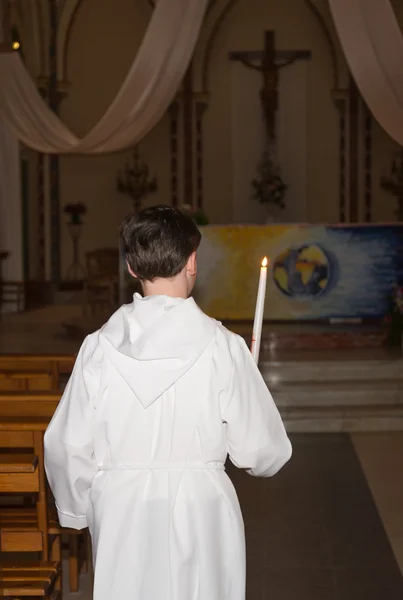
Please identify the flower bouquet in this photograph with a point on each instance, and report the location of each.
(75, 210)
(268, 187)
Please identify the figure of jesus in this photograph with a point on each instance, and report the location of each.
(268, 63)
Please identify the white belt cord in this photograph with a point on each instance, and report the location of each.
(166, 466)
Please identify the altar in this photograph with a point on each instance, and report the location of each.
(316, 272)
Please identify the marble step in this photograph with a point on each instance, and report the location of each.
(314, 419)
(337, 393)
(305, 336)
(337, 370)
(324, 340)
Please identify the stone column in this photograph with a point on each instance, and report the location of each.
(188, 131)
(340, 98)
(48, 196)
(367, 161)
(10, 178)
(354, 148)
(201, 107)
(173, 143)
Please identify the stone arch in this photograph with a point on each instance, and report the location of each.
(41, 33)
(43, 18)
(208, 43)
(68, 15)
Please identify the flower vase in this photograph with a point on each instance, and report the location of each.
(270, 216)
(75, 219)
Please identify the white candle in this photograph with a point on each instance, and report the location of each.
(258, 322)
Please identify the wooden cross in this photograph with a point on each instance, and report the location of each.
(269, 62)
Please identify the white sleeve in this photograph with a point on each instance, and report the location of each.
(256, 438)
(69, 459)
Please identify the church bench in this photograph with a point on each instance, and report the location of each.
(27, 589)
(29, 579)
(22, 474)
(22, 518)
(28, 404)
(33, 429)
(19, 474)
(55, 366)
(18, 431)
(40, 571)
(13, 381)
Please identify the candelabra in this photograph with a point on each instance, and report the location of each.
(135, 181)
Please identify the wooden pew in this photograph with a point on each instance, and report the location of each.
(23, 419)
(29, 579)
(21, 474)
(27, 433)
(15, 381)
(29, 404)
(53, 366)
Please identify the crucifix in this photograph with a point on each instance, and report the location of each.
(268, 63)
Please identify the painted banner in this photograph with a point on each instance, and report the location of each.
(316, 272)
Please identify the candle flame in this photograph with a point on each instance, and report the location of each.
(265, 262)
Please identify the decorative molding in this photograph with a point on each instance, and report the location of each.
(367, 131)
(54, 174)
(342, 166)
(41, 217)
(174, 112)
(188, 131)
(201, 107)
(340, 98)
(353, 135)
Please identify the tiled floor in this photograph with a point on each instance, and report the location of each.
(381, 455)
(314, 531)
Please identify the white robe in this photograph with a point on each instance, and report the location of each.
(137, 446)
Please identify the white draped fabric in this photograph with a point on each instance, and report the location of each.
(145, 95)
(373, 44)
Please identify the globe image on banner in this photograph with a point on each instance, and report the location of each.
(303, 272)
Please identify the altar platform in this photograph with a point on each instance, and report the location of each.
(324, 378)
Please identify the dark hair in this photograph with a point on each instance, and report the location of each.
(158, 241)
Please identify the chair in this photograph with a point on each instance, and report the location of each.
(101, 287)
(13, 293)
(21, 473)
(22, 411)
(30, 579)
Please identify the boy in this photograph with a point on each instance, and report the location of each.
(136, 449)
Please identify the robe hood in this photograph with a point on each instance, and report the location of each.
(154, 341)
